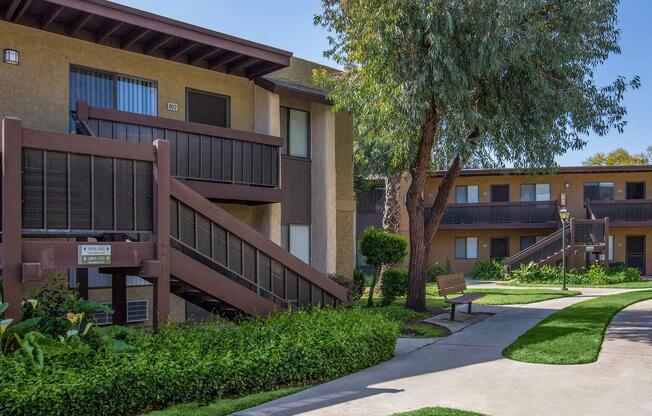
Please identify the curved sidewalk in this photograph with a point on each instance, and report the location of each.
(467, 371)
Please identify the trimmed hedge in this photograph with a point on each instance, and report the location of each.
(596, 275)
(197, 363)
(394, 285)
(491, 269)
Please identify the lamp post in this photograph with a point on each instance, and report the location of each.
(563, 216)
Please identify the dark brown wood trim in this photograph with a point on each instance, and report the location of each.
(186, 126)
(291, 92)
(62, 142)
(502, 204)
(233, 192)
(176, 28)
(161, 231)
(62, 254)
(557, 171)
(218, 285)
(498, 226)
(186, 195)
(632, 224)
(621, 201)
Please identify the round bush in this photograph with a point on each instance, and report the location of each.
(393, 285)
(489, 270)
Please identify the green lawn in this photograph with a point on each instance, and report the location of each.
(574, 334)
(627, 285)
(438, 411)
(226, 406)
(409, 319)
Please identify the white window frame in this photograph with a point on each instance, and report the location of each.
(286, 230)
(469, 200)
(537, 186)
(287, 148)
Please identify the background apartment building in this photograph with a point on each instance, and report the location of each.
(506, 213)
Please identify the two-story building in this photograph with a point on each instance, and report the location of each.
(204, 172)
(512, 215)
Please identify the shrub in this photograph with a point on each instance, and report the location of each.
(393, 285)
(491, 269)
(439, 270)
(354, 287)
(197, 363)
(381, 248)
(595, 275)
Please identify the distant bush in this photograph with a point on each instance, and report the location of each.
(197, 363)
(439, 270)
(354, 286)
(596, 275)
(393, 285)
(381, 248)
(491, 269)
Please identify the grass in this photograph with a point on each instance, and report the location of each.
(574, 334)
(410, 320)
(438, 411)
(647, 284)
(226, 406)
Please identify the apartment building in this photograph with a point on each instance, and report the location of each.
(514, 216)
(167, 169)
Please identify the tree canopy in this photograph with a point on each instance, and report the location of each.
(445, 81)
(620, 157)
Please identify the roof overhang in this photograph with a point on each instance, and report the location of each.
(556, 171)
(293, 89)
(134, 30)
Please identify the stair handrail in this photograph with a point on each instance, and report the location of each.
(216, 214)
(534, 247)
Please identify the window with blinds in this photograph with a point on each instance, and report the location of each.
(115, 91)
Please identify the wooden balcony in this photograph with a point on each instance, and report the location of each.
(500, 215)
(219, 163)
(625, 213)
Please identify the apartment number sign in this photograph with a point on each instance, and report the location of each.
(94, 254)
(173, 107)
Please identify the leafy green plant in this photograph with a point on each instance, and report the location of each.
(381, 248)
(439, 270)
(354, 287)
(198, 363)
(393, 285)
(595, 275)
(491, 269)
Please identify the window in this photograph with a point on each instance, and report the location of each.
(527, 241)
(611, 248)
(466, 194)
(97, 280)
(207, 108)
(295, 130)
(535, 192)
(466, 248)
(598, 191)
(635, 190)
(499, 193)
(137, 311)
(499, 248)
(295, 238)
(115, 91)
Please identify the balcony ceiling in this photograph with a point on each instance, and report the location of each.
(122, 27)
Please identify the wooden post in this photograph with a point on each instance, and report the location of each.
(82, 276)
(162, 230)
(12, 216)
(119, 297)
(606, 243)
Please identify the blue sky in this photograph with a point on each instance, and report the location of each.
(287, 24)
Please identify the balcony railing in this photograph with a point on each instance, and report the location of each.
(627, 212)
(541, 214)
(200, 153)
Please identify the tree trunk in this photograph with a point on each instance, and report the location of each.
(391, 215)
(416, 294)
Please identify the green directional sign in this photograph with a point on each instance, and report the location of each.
(96, 254)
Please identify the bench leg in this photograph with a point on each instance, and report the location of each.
(469, 307)
(452, 312)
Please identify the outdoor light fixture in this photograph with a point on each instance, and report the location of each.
(11, 56)
(563, 216)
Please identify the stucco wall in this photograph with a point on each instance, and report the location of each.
(37, 90)
(344, 194)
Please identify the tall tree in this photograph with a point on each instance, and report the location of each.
(620, 157)
(511, 81)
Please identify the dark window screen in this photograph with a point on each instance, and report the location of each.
(57, 190)
(499, 248)
(80, 192)
(499, 193)
(208, 108)
(32, 189)
(636, 190)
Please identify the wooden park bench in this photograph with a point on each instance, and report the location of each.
(450, 284)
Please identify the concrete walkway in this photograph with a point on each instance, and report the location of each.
(467, 371)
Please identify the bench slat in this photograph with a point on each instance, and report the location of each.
(471, 297)
(450, 283)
